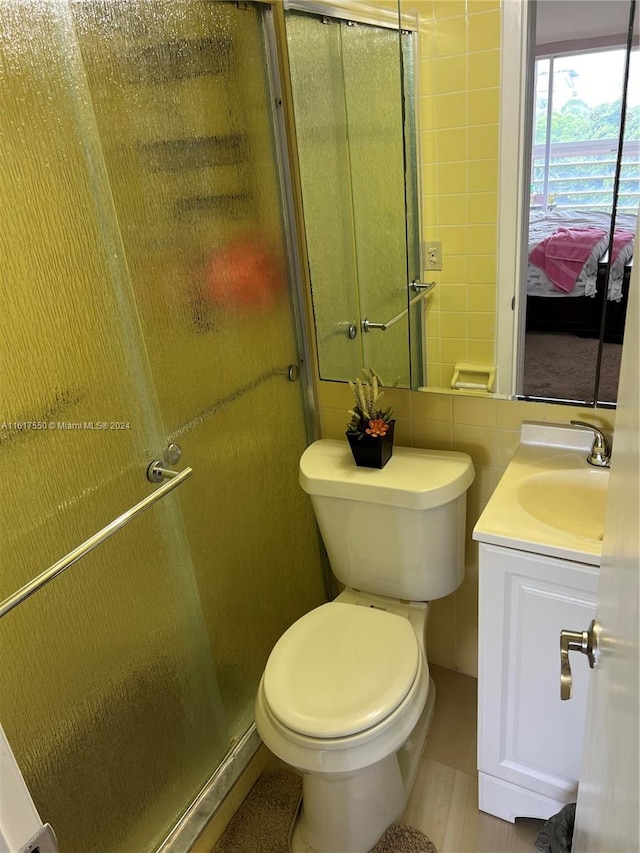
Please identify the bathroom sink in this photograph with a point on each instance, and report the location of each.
(549, 500)
(572, 501)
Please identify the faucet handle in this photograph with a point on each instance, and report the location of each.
(600, 455)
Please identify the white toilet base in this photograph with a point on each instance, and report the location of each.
(347, 813)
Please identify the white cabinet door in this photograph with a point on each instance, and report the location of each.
(530, 741)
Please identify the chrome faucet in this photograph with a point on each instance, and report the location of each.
(600, 455)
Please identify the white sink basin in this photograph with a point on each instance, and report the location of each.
(572, 501)
(549, 500)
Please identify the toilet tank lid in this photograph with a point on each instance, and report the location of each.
(413, 478)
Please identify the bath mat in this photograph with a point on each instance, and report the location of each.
(404, 839)
(264, 822)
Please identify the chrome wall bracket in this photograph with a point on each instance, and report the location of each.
(156, 472)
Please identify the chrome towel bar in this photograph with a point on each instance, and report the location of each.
(423, 289)
(97, 539)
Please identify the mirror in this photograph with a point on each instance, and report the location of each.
(346, 70)
(454, 54)
(581, 211)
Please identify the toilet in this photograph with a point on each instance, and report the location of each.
(346, 697)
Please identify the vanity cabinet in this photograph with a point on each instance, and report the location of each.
(530, 741)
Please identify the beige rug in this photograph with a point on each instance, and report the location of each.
(264, 822)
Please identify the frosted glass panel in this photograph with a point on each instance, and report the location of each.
(183, 106)
(315, 58)
(347, 89)
(373, 95)
(108, 694)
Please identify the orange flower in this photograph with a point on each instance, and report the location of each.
(377, 427)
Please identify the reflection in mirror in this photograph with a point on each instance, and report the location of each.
(346, 79)
(583, 177)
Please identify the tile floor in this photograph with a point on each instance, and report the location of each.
(444, 800)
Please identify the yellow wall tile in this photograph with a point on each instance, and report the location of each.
(454, 240)
(483, 106)
(483, 177)
(481, 297)
(428, 146)
(451, 36)
(427, 108)
(451, 74)
(427, 38)
(482, 326)
(481, 238)
(452, 209)
(483, 69)
(429, 185)
(478, 442)
(508, 442)
(511, 413)
(483, 208)
(446, 373)
(475, 411)
(451, 145)
(403, 432)
(451, 110)
(434, 435)
(333, 423)
(334, 395)
(399, 399)
(452, 178)
(452, 350)
(483, 142)
(449, 8)
(482, 5)
(481, 352)
(484, 30)
(429, 208)
(427, 73)
(453, 325)
(436, 407)
(434, 372)
(453, 297)
(454, 270)
(482, 269)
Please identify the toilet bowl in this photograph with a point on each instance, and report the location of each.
(346, 697)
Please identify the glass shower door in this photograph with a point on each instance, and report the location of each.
(182, 100)
(109, 696)
(145, 287)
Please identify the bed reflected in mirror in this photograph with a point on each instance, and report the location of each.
(585, 175)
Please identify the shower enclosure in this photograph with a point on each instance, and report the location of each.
(148, 298)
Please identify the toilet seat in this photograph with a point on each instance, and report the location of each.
(341, 670)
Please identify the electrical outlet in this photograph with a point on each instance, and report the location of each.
(432, 255)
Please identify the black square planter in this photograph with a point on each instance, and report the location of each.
(372, 451)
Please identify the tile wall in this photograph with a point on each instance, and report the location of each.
(459, 115)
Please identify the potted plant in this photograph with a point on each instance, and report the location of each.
(370, 430)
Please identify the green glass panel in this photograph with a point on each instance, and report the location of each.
(108, 695)
(315, 58)
(183, 106)
(373, 96)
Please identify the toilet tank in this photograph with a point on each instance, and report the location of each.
(398, 531)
